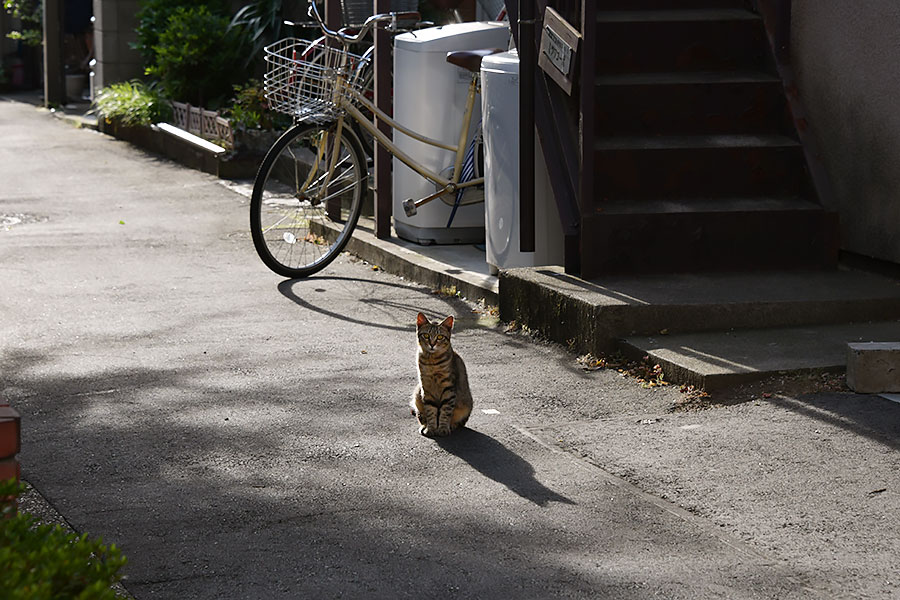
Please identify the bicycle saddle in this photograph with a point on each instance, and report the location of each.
(470, 59)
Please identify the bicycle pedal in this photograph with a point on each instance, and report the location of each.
(409, 207)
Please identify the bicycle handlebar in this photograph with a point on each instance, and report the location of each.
(393, 17)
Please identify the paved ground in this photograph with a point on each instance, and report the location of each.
(241, 436)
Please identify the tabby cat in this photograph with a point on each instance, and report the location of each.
(441, 401)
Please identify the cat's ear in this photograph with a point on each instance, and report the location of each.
(421, 320)
(448, 322)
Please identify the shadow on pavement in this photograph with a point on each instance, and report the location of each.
(495, 461)
(317, 285)
(867, 416)
(398, 308)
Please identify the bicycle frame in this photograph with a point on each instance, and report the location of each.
(458, 149)
(447, 186)
(345, 98)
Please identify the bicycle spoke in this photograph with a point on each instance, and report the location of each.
(323, 175)
(338, 193)
(274, 225)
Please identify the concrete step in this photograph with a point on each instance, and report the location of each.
(593, 316)
(714, 360)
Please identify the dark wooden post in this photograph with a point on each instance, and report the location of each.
(579, 258)
(54, 74)
(333, 14)
(384, 102)
(527, 64)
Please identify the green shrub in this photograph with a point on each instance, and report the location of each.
(262, 20)
(132, 103)
(44, 562)
(250, 110)
(198, 57)
(30, 14)
(153, 17)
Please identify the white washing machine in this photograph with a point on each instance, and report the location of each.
(430, 99)
(500, 108)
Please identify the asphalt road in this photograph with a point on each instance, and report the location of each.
(243, 436)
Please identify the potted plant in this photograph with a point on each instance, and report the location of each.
(128, 108)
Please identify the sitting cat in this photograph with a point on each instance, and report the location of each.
(441, 401)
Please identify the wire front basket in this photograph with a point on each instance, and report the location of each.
(300, 78)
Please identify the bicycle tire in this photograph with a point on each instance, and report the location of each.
(301, 219)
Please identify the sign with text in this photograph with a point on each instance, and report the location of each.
(559, 47)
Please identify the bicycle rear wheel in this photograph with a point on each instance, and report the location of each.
(307, 198)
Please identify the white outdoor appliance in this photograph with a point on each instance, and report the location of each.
(430, 99)
(500, 109)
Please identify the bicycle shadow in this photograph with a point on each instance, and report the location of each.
(394, 307)
(286, 288)
(495, 461)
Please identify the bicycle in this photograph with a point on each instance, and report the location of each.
(308, 193)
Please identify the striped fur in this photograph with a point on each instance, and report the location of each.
(442, 401)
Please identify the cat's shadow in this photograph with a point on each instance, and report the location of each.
(495, 461)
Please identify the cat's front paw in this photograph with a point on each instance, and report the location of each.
(443, 431)
(425, 431)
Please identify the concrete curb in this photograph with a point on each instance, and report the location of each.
(602, 313)
(402, 258)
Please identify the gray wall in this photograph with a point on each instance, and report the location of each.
(846, 57)
(113, 31)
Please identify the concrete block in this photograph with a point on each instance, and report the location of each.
(106, 14)
(873, 367)
(125, 17)
(106, 46)
(125, 53)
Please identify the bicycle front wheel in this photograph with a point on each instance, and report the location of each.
(307, 198)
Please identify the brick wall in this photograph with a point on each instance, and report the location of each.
(10, 443)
